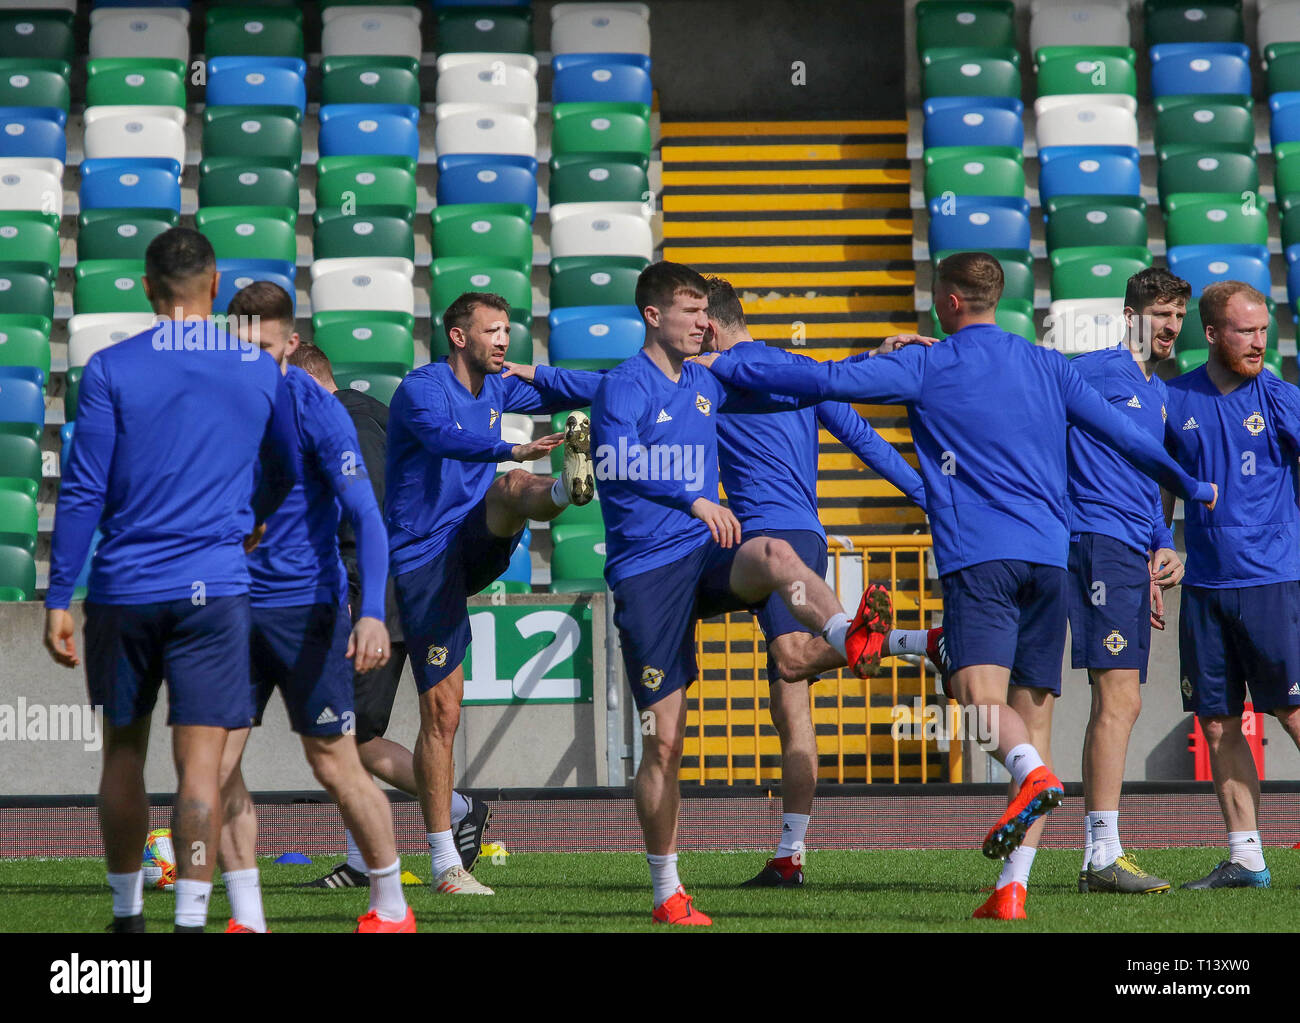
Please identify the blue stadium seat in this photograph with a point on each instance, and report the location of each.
(239, 273)
(467, 177)
(589, 337)
(32, 374)
(1182, 69)
(143, 183)
(1285, 123)
(56, 115)
(22, 401)
(979, 222)
(520, 568)
(257, 81)
(601, 78)
(65, 438)
(353, 129)
(974, 121)
(1293, 279)
(26, 133)
(1202, 265)
(1088, 170)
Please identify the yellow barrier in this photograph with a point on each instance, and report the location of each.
(729, 734)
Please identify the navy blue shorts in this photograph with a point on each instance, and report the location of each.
(774, 617)
(431, 598)
(1010, 613)
(303, 651)
(656, 613)
(1110, 605)
(200, 649)
(1229, 639)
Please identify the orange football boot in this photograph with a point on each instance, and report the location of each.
(1007, 903)
(677, 910)
(237, 928)
(1041, 792)
(865, 641)
(373, 923)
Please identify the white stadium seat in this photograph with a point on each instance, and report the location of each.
(135, 131)
(31, 184)
(593, 28)
(135, 32)
(1079, 24)
(600, 229)
(88, 333)
(642, 11)
(1084, 122)
(382, 31)
(360, 284)
(490, 82)
(454, 60)
(473, 128)
(1083, 324)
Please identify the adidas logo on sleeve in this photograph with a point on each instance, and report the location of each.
(664, 417)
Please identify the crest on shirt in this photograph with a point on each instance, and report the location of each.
(1164, 415)
(652, 678)
(493, 416)
(437, 656)
(1254, 423)
(1115, 642)
(703, 404)
(1134, 403)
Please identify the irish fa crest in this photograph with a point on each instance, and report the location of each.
(437, 656)
(652, 678)
(703, 404)
(1115, 643)
(493, 416)
(1254, 423)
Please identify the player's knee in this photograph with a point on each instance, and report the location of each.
(327, 767)
(1219, 731)
(513, 483)
(664, 752)
(440, 726)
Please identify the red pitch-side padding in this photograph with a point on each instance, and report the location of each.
(1253, 728)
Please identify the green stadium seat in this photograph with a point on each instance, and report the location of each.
(258, 134)
(135, 81)
(72, 391)
(1209, 121)
(967, 72)
(109, 286)
(600, 128)
(236, 32)
(608, 177)
(120, 233)
(25, 341)
(480, 30)
(250, 232)
(377, 231)
(369, 378)
(355, 182)
(18, 519)
(1076, 70)
(12, 594)
(1189, 167)
(1095, 220)
(370, 79)
(20, 451)
(1195, 218)
(27, 291)
(38, 35)
(603, 285)
(1286, 180)
(974, 170)
(455, 275)
(496, 233)
(983, 23)
(578, 565)
(239, 181)
(1283, 60)
(1017, 268)
(33, 82)
(1015, 316)
(17, 573)
(366, 339)
(20, 485)
(29, 240)
(1095, 271)
(578, 520)
(1199, 22)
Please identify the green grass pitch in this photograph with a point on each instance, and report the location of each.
(846, 891)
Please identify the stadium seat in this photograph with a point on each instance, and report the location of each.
(483, 131)
(1075, 326)
(132, 132)
(135, 81)
(453, 276)
(1193, 218)
(17, 515)
(979, 223)
(357, 182)
(1285, 124)
(250, 232)
(370, 340)
(588, 286)
(241, 181)
(600, 177)
(31, 184)
(1086, 121)
(1192, 168)
(40, 35)
(1015, 317)
(600, 128)
(578, 520)
(17, 573)
(966, 72)
(20, 485)
(594, 28)
(468, 178)
(1017, 269)
(981, 23)
(974, 170)
(1085, 70)
(489, 81)
(387, 80)
(131, 183)
(1286, 179)
(257, 81)
(1197, 22)
(474, 31)
(387, 31)
(27, 291)
(497, 233)
(1204, 120)
(120, 233)
(132, 32)
(25, 341)
(266, 32)
(1088, 170)
(34, 83)
(29, 240)
(375, 231)
(601, 229)
(1095, 220)
(26, 133)
(1293, 280)
(1283, 65)
(89, 333)
(354, 129)
(109, 286)
(594, 337)
(237, 274)
(600, 78)
(577, 565)
(22, 406)
(973, 121)
(1079, 24)
(517, 578)
(1095, 271)
(20, 451)
(362, 284)
(257, 134)
(372, 381)
(1187, 71)
(1202, 265)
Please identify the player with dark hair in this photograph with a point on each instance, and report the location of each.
(170, 426)
(302, 635)
(1122, 557)
(675, 556)
(1240, 611)
(376, 689)
(768, 464)
(452, 528)
(988, 414)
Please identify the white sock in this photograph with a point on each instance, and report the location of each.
(794, 826)
(1105, 837)
(386, 896)
(355, 860)
(1087, 841)
(1245, 847)
(244, 890)
(460, 806)
(663, 875)
(906, 641)
(559, 496)
(1016, 867)
(443, 850)
(192, 899)
(1022, 761)
(835, 631)
(128, 893)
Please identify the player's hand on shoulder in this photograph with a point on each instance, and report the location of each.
(60, 637)
(897, 341)
(368, 646)
(724, 526)
(1166, 568)
(707, 359)
(518, 369)
(254, 538)
(535, 449)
